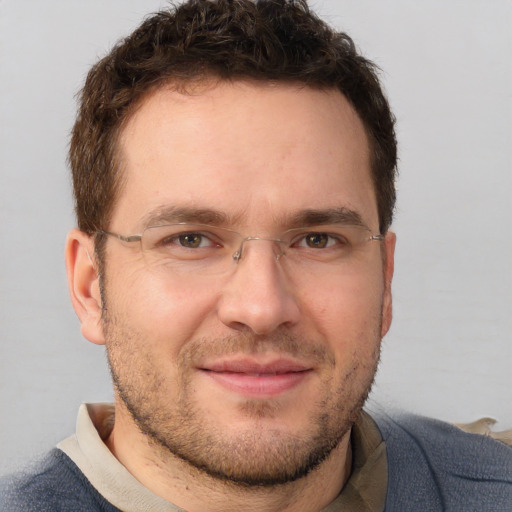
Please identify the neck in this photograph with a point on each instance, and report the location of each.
(191, 489)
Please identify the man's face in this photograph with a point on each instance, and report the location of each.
(254, 374)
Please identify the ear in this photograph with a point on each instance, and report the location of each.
(389, 266)
(83, 284)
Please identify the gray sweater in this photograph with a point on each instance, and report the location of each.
(432, 466)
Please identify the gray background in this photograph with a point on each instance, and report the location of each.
(447, 69)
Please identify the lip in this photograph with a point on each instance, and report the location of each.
(253, 378)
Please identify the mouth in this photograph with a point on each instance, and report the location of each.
(256, 379)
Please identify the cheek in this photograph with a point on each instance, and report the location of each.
(348, 304)
(165, 310)
(347, 315)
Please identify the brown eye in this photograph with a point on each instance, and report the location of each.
(191, 240)
(317, 240)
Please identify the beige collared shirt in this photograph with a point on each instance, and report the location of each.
(365, 490)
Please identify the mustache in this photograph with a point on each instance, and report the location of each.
(281, 343)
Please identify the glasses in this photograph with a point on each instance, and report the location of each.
(205, 249)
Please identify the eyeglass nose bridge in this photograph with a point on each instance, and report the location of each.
(237, 255)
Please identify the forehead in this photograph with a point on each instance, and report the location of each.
(253, 151)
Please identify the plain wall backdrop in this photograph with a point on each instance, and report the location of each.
(448, 73)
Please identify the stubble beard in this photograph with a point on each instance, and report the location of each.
(257, 456)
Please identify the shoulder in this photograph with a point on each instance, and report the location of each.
(435, 462)
(54, 484)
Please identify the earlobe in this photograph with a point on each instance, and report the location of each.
(389, 265)
(83, 284)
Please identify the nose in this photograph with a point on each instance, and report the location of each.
(259, 295)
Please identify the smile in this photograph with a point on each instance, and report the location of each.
(252, 379)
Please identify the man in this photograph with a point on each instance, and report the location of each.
(233, 167)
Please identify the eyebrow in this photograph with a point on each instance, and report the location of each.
(313, 217)
(304, 218)
(176, 214)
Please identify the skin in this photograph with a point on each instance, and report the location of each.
(258, 154)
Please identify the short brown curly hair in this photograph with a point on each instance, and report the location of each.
(272, 40)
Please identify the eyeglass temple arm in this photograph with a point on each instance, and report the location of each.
(131, 238)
